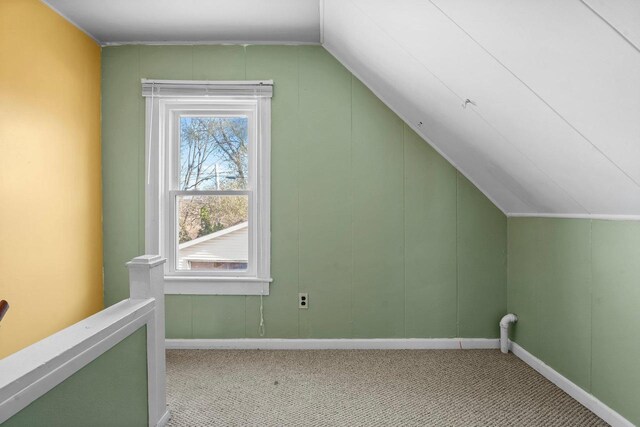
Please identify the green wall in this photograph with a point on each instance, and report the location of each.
(385, 236)
(575, 286)
(109, 391)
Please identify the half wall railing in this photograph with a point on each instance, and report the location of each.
(29, 374)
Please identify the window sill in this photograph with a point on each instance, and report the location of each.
(176, 285)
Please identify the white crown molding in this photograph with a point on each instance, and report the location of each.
(585, 398)
(335, 344)
(210, 43)
(576, 216)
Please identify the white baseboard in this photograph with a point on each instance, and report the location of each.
(164, 420)
(335, 344)
(585, 398)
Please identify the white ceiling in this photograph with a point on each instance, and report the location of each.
(197, 21)
(554, 127)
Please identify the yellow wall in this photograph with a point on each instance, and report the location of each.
(50, 185)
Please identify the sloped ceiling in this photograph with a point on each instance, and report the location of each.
(552, 125)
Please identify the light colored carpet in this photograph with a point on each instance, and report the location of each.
(364, 388)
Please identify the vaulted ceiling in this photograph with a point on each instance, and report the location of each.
(536, 102)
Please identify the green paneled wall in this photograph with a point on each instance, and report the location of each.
(482, 261)
(575, 286)
(385, 235)
(615, 355)
(109, 391)
(431, 291)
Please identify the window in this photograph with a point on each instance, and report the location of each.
(207, 189)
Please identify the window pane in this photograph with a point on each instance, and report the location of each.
(213, 153)
(213, 233)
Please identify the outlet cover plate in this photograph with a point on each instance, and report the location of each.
(303, 300)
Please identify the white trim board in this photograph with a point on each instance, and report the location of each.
(585, 398)
(576, 216)
(164, 420)
(210, 43)
(335, 344)
(231, 286)
(321, 15)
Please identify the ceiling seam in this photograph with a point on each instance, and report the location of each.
(405, 50)
(537, 95)
(620, 33)
(534, 164)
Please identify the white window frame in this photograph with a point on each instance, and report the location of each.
(166, 102)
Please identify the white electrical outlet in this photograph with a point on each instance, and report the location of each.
(303, 300)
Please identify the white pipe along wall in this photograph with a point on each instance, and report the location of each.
(504, 331)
